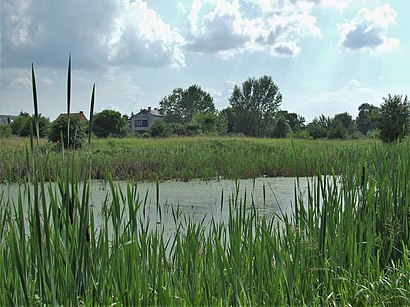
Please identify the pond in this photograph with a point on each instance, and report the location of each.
(196, 200)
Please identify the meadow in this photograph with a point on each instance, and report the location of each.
(348, 244)
(194, 158)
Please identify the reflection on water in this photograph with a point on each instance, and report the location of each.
(196, 200)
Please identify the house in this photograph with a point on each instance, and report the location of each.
(7, 119)
(80, 114)
(143, 120)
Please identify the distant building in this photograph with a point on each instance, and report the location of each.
(72, 115)
(7, 119)
(143, 120)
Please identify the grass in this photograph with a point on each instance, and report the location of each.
(347, 244)
(196, 158)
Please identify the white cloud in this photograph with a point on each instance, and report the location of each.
(141, 37)
(229, 28)
(337, 4)
(368, 30)
(98, 32)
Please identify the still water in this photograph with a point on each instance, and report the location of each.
(196, 200)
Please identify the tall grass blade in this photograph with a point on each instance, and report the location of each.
(90, 122)
(36, 118)
(68, 99)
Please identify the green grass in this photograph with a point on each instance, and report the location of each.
(347, 245)
(197, 158)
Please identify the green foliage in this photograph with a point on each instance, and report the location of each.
(254, 105)
(295, 121)
(181, 105)
(337, 130)
(318, 128)
(22, 125)
(281, 128)
(58, 130)
(346, 120)
(367, 118)
(110, 123)
(345, 243)
(394, 120)
(228, 117)
(208, 123)
(5, 131)
(159, 129)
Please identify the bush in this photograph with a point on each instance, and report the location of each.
(77, 131)
(394, 118)
(21, 125)
(159, 129)
(281, 128)
(5, 131)
(109, 123)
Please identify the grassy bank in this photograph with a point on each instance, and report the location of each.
(200, 157)
(347, 245)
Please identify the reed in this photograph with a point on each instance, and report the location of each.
(197, 158)
(347, 244)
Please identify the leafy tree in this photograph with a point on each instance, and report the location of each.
(77, 131)
(21, 125)
(295, 121)
(318, 128)
(346, 119)
(208, 123)
(367, 118)
(109, 123)
(281, 128)
(227, 117)
(255, 103)
(20, 122)
(337, 130)
(181, 105)
(394, 118)
(159, 129)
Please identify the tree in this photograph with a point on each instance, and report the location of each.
(207, 122)
(394, 118)
(281, 128)
(255, 103)
(181, 105)
(367, 118)
(336, 129)
(109, 123)
(77, 131)
(346, 119)
(295, 121)
(318, 128)
(159, 129)
(227, 116)
(22, 125)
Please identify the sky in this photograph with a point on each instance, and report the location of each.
(327, 56)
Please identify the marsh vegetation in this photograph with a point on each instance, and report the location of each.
(345, 243)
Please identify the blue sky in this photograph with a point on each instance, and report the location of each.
(326, 56)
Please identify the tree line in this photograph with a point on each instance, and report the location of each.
(254, 110)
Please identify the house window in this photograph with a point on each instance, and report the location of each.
(141, 123)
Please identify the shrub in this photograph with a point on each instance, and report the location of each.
(77, 131)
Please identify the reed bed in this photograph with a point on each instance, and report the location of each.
(348, 244)
(195, 158)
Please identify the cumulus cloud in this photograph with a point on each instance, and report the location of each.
(227, 28)
(98, 32)
(368, 30)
